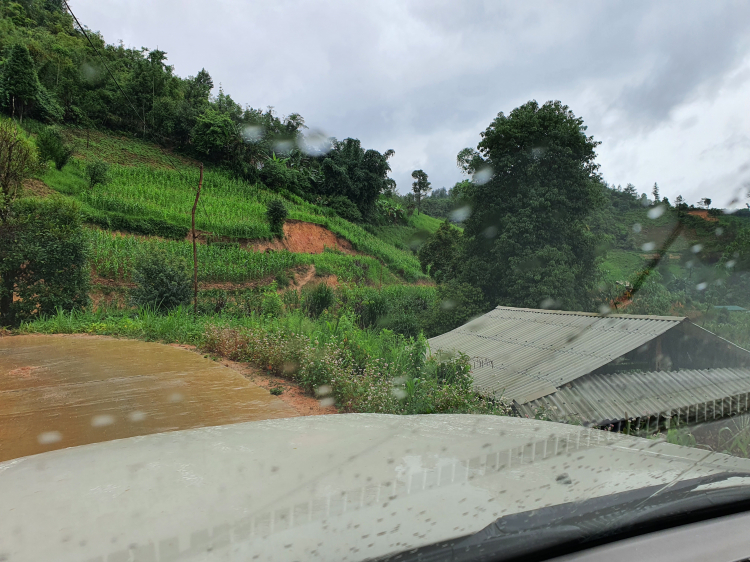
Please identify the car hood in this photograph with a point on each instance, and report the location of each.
(345, 487)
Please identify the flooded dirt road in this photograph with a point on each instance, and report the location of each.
(63, 391)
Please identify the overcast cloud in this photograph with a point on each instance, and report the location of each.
(664, 85)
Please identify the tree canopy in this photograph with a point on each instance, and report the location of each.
(527, 240)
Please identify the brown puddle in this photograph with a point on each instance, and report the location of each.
(62, 391)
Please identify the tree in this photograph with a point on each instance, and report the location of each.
(52, 146)
(18, 161)
(705, 202)
(439, 255)
(420, 186)
(161, 282)
(679, 201)
(98, 173)
(527, 238)
(630, 190)
(213, 133)
(19, 83)
(655, 193)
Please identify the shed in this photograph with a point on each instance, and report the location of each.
(572, 364)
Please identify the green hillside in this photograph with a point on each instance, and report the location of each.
(155, 194)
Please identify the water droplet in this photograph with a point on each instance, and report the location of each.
(137, 416)
(283, 147)
(656, 212)
(648, 246)
(325, 402)
(483, 176)
(315, 143)
(701, 286)
(448, 304)
(175, 397)
(252, 133)
(604, 310)
(637, 227)
(719, 231)
(730, 264)
(323, 390)
(461, 214)
(398, 393)
(102, 420)
(49, 437)
(549, 303)
(490, 232)
(696, 248)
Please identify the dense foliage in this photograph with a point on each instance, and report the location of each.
(276, 214)
(43, 259)
(526, 238)
(161, 282)
(51, 73)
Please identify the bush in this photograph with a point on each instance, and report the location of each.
(43, 259)
(97, 172)
(161, 282)
(272, 304)
(276, 215)
(317, 299)
(52, 146)
(344, 208)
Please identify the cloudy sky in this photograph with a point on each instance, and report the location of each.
(664, 85)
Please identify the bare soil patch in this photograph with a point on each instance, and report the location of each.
(37, 188)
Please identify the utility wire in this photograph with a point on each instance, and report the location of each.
(142, 118)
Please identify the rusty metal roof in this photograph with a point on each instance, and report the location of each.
(601, 399)
(524, 354)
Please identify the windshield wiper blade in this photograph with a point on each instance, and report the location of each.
(568, 527)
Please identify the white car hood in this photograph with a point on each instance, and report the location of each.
(343, 487)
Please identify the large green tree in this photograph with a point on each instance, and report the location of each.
(527, 240)
(19, 83)
(420, 186)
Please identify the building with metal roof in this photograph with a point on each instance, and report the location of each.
(576, 364)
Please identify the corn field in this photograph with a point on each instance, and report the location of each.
(113, 256)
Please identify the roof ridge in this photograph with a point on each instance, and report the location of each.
(593, 314)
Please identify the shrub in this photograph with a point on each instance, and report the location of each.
(97, 172)
(276, 215)
(52, 146)
(161, 282)
(272, 304)
(344, 208)
(43, 259)
(317, 299)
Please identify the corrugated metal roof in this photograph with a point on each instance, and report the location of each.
(525, 354)
(606, 398)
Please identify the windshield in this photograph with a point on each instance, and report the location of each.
(354, 280)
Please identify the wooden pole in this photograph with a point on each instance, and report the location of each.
(195, 247)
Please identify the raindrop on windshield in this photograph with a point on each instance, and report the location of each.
(323, 390)
(701, 286)
(696, 248)
(252, 133)
(325, 402)
(448, 304)
(283, 147)
(483, 176)
(648, 246)
(137, 416)
(315, 143)
(656, 212)
(637, 227)
(490, 232)
(461, 214)
(604, 310)
(398, 393)
(175, 397)
(102, 420)
(730, 264)
(49, 437)
(549, 303)
(719, 231)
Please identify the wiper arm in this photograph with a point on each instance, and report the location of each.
(572, 526)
